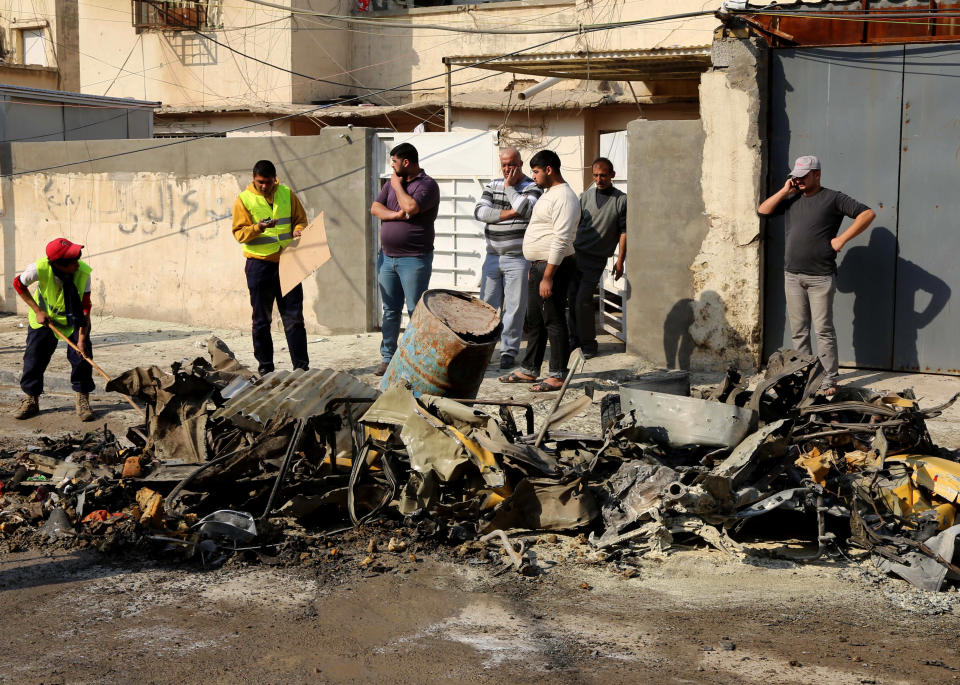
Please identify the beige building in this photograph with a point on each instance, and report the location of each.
(285, 67)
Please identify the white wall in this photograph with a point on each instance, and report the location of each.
(560, 131)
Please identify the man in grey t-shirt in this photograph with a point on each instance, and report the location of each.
(813, 215)
(602, 232)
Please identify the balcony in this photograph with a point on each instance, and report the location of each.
(173, 15)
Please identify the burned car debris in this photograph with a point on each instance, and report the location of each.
(228, 463)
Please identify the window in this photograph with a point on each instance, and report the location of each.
(170, 15)
(34, 47)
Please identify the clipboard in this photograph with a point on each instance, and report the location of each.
(304, 255)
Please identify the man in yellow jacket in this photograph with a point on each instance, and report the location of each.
(266, 217)
(63, 300)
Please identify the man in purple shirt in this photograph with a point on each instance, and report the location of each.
(407, 207)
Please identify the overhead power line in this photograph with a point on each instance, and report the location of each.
(183, 141)
(581, 28)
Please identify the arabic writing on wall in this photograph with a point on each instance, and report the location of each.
(142, 204)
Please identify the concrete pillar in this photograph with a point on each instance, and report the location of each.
(727, 272)
(68, 44)
(694, 258)
(666, 226)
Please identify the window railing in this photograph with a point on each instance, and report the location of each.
(172, 15)
(363, 6)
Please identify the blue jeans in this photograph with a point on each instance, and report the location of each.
(504, 284)
(401, 279)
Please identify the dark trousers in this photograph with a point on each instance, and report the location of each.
(546, 320)
(582, 317)
(41, 344)
(263, 281)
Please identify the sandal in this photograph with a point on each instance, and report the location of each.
(543, 386)
(517, 377)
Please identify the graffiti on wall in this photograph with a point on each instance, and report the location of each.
(145, 205)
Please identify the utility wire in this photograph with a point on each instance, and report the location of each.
(218, 134)
(583, 28)
(301, 74)
(182, 141)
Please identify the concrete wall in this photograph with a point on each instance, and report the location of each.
(695, 266)
(199, 124)
(558, 130)
(67, 32)
(733, 101)
(321, 49)
(182, 68)
(417, 54)
(573, 134)
(29, 76)
(156, 225)
(666, 225)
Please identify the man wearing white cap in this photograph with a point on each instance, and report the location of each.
(812, 218)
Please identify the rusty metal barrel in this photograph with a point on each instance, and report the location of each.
(446, 347)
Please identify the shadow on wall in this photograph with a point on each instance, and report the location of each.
(677, 342)
(911, 280)
(702, 325)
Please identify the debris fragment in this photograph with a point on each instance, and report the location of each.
(304, 466)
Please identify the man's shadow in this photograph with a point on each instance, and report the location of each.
(909, 318)
(678, 344)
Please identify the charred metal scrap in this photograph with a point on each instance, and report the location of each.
(227, 461)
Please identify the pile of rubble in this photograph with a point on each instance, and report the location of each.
(229, 462)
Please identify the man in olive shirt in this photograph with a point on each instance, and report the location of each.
(813, 215)
(602, 231)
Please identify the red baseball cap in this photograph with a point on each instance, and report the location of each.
(61, 248)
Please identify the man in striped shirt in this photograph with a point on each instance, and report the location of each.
(505, 208)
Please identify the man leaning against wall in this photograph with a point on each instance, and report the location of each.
(812, 218)
(266, 217)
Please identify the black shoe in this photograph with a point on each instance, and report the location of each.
(382, 369)
(589, 351)
(507, 362)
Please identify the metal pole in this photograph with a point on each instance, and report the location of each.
(92, 363)
(291, 450)
(448, 104)
(576, 364)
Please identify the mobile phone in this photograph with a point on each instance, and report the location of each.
(269, 223)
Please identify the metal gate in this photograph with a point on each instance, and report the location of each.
(882, 119)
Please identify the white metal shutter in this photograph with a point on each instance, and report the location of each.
(461, 163)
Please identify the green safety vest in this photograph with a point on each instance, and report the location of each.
(50, 294)
(273, 239)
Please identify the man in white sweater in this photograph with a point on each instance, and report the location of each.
(548, 246)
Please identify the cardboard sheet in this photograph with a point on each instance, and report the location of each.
(304, 255)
